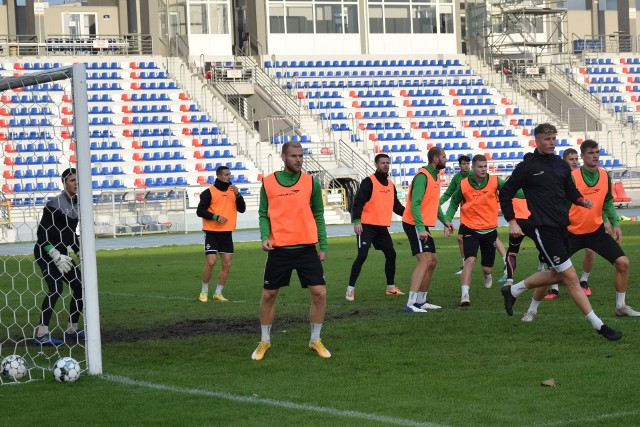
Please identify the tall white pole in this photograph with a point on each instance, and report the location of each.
(87, 232)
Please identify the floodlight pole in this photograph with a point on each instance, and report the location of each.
(87, 231)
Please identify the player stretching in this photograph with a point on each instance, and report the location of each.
(374, 204)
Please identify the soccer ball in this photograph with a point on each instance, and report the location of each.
(14, 367)
(66, 370)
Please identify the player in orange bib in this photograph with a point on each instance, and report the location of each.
(218, 207)
(291, 218)
(373, 208)
(478, 201)
(422, 210)
(587, 228)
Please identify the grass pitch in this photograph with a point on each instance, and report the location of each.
(169, 359)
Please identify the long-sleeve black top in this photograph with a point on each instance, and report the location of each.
(364, 195)
(205, 201)
(547, 184)
(57, 227)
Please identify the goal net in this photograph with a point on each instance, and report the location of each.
(44, 131)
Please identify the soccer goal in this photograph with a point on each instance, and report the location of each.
(44, 130)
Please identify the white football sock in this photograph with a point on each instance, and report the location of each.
(620, 299)
(533, 307)
(205, 287)
(315, 331)
(219, 288)
(595, 320)
(518, 289)
(266, 333)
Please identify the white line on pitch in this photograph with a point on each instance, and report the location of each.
(590, 419)
(271, 402)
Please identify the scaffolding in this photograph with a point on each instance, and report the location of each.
(517, 32)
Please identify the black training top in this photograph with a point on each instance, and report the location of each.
(547, 184)
(58, 225)
(364, 195)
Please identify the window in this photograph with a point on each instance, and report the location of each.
(350, 17)
(218, 19)
(396, 19)
(276, 18)
(424, 19)
(328, 18)
(208, 17)
(198, 23)
(79, 24)
(299, 18)
(376, 24)
(446, 19)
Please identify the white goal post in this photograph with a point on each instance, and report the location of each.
(75, 80)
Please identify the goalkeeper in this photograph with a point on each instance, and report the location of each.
(56, 239)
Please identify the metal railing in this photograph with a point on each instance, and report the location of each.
(350, 158)
(60, 44)
(18, 44)
(279, 98)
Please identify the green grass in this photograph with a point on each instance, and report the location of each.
(171, 360)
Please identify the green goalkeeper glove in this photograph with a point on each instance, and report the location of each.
(62, 262)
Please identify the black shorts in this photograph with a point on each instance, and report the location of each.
(281, 263)
(486, 242)
(599, 241)
(553, 245)
(376, 235)
(418, 246)
(527, 229)
(218, 242)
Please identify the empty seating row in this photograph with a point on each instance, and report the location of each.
(365, 63)
(212, 154)
(106, 170)
(372, 73)
(41, 146)
(36, 66)
(179, 168)
(149, 75)
(167, 155)
(165, 143)
(211, 167)
(31, 160)
(161, 182)
(24, 122)
(213, 142)
(25, 99)
(106, 145)
(23, 111)
(30, 187)
(104, 158)
(384, 83)
(30, 173)
(114, 75)
(154, 85)
(105, 184)
(280, 139)
(135, 97)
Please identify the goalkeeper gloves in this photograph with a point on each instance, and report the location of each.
(62, 262)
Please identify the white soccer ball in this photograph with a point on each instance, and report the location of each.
(14, 367)
(66, 370)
